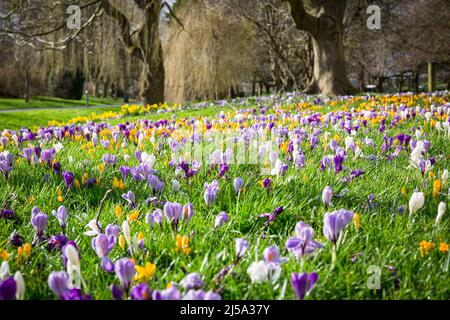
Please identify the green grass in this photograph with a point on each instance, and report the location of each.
(386, 238)
(51, 102)
(34, 118)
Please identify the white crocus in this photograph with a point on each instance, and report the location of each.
(94, 229)
(276, 171)
(416, 202)
(441, 211)
(126, 157)
(258, 272)
(58, 147)
(175, 186)
(126, 232)
(148, 159)
(20, 285)
(444, 177)
(73, 266)
(4, 270)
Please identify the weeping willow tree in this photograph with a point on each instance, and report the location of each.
(209, 55)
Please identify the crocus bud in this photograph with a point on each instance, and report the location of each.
(58, 282)
(241, 246)
(125, 271)
(62, 216)
(238, 184)
(441, 211)
(20, 285)
(188, 211)
(192, 281)
(221, 219)
(416, 202)
(327, 195)
(175, 186)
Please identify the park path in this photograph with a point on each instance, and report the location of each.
(60, 108)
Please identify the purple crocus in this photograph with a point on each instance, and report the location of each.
(7, 213)
(302, 244)
(68, 178)
(241, 247)
(141, 292)
(335, 222)
(173, 212)
(211, 191)
(48, 155)
(303, 283)
(238, 184)
(221, 219)
(103, 244)
(131, 198)
(125, 171)
(171, 293)
(109, 159)
(39, 221)
(57, 242)
(8, 289)
(62, 216)
(192, 281)
(58, 282)
(125, 271)
(27, 154)
(188, 212)
(327, 195)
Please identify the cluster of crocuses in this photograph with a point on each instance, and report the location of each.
(296, 136)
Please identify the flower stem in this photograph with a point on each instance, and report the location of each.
(333, 255)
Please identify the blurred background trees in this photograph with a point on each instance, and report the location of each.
(213, 49)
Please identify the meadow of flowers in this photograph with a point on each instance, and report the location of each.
(278, 197)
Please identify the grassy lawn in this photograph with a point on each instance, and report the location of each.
(33, 118)
(50, 102)
(382, 237)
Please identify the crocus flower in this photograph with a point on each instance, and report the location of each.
(303, 244)
(221, 219)
(241, 247)
(441, 211)
(62, 216)
(7, 213)
(117, 292)
(303, 283)
(238, 184)
(57, 242)
(20, 285)
(335, 222)
(68, 178)
(171, 293)
(73, 265)
(211, 191)
(8, 289)
(39, 222)
(188, 212)
(125, 171)
(125, 271)
(109, 159)
(327, 195)
(175, 186)
(416, 202)
(173, 212)
(141, 292)
(192, 281)
(130, 197)
(258, 272)
(103, 244)
(58, 282)
(75, 294)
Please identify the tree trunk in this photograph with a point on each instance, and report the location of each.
(416, 78)
(380, 80)
(431, 77)
(324, 21)
(144, 44)
(400, 85)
